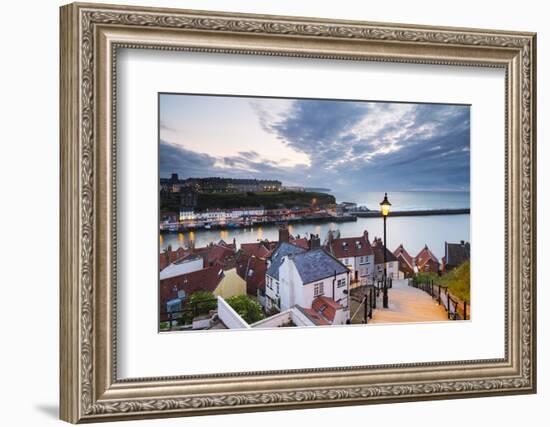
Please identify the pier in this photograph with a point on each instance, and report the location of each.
(424, 212)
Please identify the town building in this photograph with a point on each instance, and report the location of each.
(273, 284)
(406, 261)
(426, 261)
(356, 254)
(168, 256)
(253, 270)
(296, 277)
(455, 255)
(392, 264)
(176, 291)
(258, 249)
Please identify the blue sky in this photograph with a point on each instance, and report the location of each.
(341, 145)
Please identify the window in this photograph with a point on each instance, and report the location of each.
(277, 288)
(346, 261)
(341, 282)
(318, 289)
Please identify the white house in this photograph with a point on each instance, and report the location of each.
(304, 276)
(355, 253)
(272, 280)
(392, 263)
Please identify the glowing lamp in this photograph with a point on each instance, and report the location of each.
(385, 205)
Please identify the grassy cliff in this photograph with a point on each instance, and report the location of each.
(269, 200)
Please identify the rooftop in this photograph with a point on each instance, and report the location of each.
(284, 249)
(378, 248)
(424, 256)
(402, 253)
(350, 246)
(457, 253)
(317, 265)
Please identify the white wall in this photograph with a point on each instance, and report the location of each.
(29, 155)
(230, 317)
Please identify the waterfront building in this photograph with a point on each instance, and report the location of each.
(406, 261)
(187, 214)
(426, 261)
(392, 264)
(246, 212)
(356, 254)
(455, 255)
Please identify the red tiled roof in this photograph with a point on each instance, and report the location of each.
(206, 279)
(350, 247)
(315, 317)
(326, 307)
(216, 253)
(402, 254)
(424, 256)
(258, 249)
(169, 256)
(301, 242)
(255, 274)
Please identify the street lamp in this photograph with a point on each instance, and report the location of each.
(385, 209)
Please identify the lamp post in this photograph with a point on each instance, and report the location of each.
(385, 209)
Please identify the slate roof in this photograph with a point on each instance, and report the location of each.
(284, 249)
(457, 253)
(316, 265)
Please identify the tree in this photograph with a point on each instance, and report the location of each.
(202, 302)
(246, 307)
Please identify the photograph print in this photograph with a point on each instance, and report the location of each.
(290, 212)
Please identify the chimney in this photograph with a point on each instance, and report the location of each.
(314, 241)
(462, 242)
(366, 235)
(284, 234)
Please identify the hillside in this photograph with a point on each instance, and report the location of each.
(270, 200)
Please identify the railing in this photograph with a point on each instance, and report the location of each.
(456, 309)
(367, 298)
(185, 316)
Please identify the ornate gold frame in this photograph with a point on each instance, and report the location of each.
(90, 36)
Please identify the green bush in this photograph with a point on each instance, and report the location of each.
(458, 281)
(246, 307)
(202, 302)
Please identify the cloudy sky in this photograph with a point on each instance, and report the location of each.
(341, 145)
